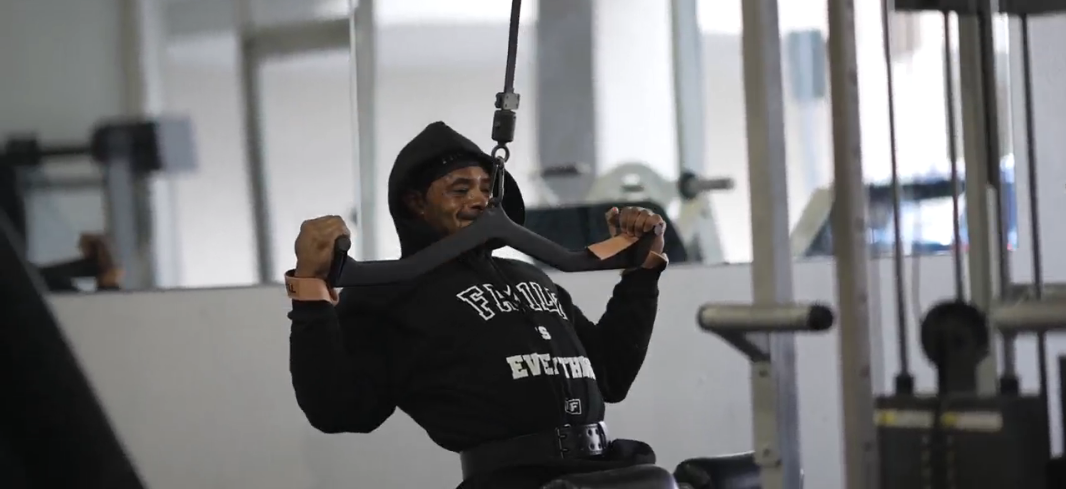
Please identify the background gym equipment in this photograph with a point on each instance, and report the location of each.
(957, 437)
(53, 431)
(574, 226)
(130, 152)
(747, 328)
(960, 437)
(811, 235)
(686, 202)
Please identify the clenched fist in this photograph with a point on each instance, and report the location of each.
(314, 245)
(635, 221)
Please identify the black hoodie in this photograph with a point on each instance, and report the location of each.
(481, 349)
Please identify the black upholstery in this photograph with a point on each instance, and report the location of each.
(636, 477)
(738, 471)
(53, 430)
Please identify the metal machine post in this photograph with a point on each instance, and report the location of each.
(981, 152)
(774, 396)
(852, 254)
(130, 221)
(751, 329)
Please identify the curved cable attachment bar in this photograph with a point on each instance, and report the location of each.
(735, 323)
(1029, 317)
(616, 253)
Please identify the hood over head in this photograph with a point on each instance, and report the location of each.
(437, 144)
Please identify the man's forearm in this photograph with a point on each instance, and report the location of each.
(618, 342)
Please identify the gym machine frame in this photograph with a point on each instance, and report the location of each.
(972, 433)
(863, 465)
(130, 153)
(764, 331)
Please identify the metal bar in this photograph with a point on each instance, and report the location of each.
(687, 51)
(981, 253)
(152, 36)
(688, 76)
(1034, 208)
(1029, 317)
(1032, 7)
(1051, 291)
(363, 37)
(127, 202)
(38, 180)
(296, 38)
(905, 380)
(861, 465)
(769, 318)
(751, 345)
(696, 186)
(255, 159)
(774, 396)
(127, 191)
(566, 102)
(953, 159)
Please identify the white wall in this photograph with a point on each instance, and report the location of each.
(198, 387)
(62, 72)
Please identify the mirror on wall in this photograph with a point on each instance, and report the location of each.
(180, 143)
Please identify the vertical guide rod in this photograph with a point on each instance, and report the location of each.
(953, 160)
(128, 208)
(904, 380)
(982, 252)
(774, 392)
(1034, 208)
(851, 252)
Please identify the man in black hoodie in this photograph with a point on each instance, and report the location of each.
(488, 355)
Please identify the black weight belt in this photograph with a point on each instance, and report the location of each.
(569, 442)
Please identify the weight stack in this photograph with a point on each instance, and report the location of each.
(988, 442)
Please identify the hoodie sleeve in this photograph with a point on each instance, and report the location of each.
(617, 343)
(339, 366)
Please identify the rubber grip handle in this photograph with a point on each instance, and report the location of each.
(340, 257)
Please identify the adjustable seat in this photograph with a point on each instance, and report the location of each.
(636, 477)
(737, 471)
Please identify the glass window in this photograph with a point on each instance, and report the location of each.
(278, 91)
(807, 116)
(203, 83)
(307, 142)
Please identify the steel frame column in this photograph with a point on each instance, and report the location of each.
(774, 393)
(981, 153)
(852, 254)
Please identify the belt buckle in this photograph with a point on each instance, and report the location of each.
(600, 436)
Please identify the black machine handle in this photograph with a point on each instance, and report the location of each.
(493, 225)
(340, 259)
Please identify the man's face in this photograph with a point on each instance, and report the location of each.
(453, 201)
